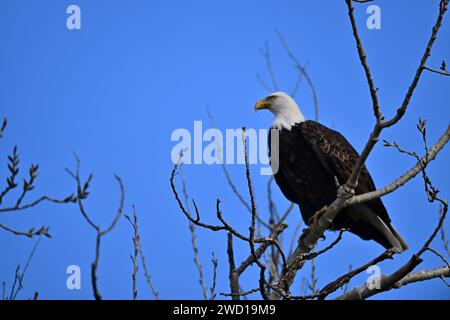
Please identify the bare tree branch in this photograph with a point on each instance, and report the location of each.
(444, 238)
(147, 274)
(441, 72)
(233, 275)
(313, 284)
(262, 267)
(440, 256)
(137, 244)
(294, 238)
(215, 263)
(30, 233)
(410, 174)
(423, 275)
(13, 167)
(363, 59)
(339, 282)
(313, 255)
(69, 199)
(82, 193)
(3, 127)
(236, 295)
(134, 257)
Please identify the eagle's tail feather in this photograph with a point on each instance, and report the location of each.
(394, 239)
(403, 245)
(381, 231)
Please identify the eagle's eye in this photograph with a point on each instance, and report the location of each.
(271, 98)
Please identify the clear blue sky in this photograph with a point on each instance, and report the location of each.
(116, 89)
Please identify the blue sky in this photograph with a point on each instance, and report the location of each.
(114, 91)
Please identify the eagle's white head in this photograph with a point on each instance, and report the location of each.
(286, 111)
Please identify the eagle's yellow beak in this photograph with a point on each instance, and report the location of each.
(262, 104)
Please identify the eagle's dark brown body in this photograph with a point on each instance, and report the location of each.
(312, 159)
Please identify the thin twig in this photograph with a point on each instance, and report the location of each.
(441, 72)
(19, 276)
(363, 59)
(239, 294)
(30, 233)
(302, 71)
(134, 257)
(214, 261)
(194, 245)
(440, 256)
(266, 54)
(313, 284)
(261, 266)
(313, 255)
(444, 239)
(138, 244)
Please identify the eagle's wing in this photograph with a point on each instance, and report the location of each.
(280, 177)
(339, 157)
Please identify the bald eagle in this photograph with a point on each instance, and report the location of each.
(312, 161)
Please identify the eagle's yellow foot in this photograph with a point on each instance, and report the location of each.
(315, 218)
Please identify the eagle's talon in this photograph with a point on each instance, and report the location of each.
(314, 220)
